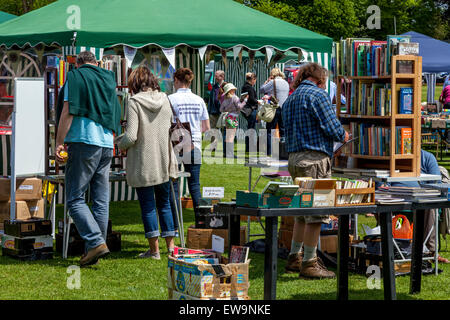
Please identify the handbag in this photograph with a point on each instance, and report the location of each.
(183, 130)
(221, 122)
(268, 110)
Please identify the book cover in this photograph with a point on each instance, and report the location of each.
(406, 140)
(392, 41)
(405, 99)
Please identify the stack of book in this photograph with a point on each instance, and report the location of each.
(373, 141)
(368, 57)
(409, 194)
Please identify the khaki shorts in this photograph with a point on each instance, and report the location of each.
(312, 164)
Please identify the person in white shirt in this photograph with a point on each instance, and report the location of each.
(189, 107)
(282, 93)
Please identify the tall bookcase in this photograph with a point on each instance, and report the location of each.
(399, 165)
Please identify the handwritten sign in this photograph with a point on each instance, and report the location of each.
(213, 192)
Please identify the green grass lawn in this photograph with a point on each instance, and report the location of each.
(437, 92)
(123, 276)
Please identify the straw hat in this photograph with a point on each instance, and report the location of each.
(229, 86)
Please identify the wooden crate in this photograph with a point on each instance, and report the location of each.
(355, 191)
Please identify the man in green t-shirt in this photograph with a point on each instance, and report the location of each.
(89, 114)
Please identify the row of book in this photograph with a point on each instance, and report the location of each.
(343, 183)
(369, 98)
(368, 57)
(375, 140)
(118, 65)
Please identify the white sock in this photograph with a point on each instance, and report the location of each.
(309, 253)
(296, 247)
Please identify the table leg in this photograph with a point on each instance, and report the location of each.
(270, 259)
(66, 227)
(234, 231)
(175, 204)
(249, 189)
(342, 267)
(180, 206)
(52, 212)
(388, 256)
(417, 251)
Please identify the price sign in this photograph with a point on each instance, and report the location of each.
(213, 192)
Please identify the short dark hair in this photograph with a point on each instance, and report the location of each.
(142, 79)
(86, 57)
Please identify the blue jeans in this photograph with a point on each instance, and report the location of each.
(273, 125)
(194, 188)
(150, 199)
(89, 165)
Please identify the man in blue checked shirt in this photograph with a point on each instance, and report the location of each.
(311, 128)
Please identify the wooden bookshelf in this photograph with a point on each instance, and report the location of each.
(408, 164)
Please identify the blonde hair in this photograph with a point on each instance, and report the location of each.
(250, 76)
(276, 72)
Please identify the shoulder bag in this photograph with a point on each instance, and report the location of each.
(183, 132)
(268, 110)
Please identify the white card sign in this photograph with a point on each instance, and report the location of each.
(213, 192)
(218, 243)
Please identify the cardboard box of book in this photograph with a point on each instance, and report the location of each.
(324, 193)
(329, 243)
(274, 195)
(26, 189)
(25, 210)
(208, 275)
(202, 238)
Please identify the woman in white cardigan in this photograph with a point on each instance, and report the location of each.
(151, 161)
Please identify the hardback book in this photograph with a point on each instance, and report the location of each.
(272, 187)
(407, 49)
(406, 140)
(405, 100)
(392, 41)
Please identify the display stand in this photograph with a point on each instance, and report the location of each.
(407, 164)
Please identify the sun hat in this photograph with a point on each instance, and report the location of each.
(229, 86)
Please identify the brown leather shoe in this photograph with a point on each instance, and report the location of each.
(294, 262)
(314, 269)
(94, 254)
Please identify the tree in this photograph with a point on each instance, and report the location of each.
(328, 17)
(19, 7)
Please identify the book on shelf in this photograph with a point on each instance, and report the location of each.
(403, 140)
(405, 96)
(374, 140)
(369, 57)
(404, 48)
(392, 42)
(368, 98)
(239, 254)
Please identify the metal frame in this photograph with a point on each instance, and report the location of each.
(385, 211)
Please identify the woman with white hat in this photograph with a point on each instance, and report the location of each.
(233, 105)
